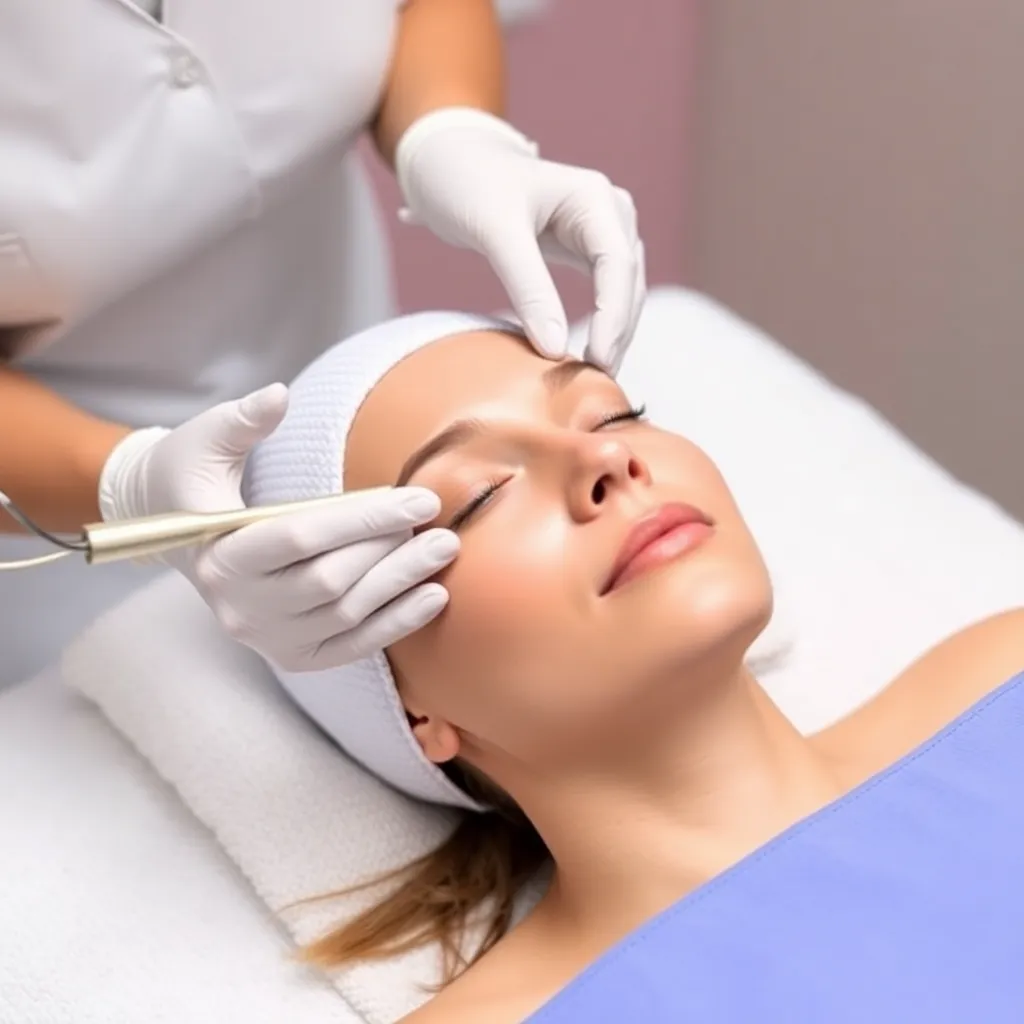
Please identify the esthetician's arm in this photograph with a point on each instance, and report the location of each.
(479, 184)
(449, 53)
(51, 455)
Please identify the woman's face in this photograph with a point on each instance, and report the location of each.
(546, 472)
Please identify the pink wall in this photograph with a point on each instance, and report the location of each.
(599, 83)
(882, 236)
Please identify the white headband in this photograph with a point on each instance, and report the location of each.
(357, 705)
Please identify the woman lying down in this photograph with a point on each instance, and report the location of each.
(583, 697)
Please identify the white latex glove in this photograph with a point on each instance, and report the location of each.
(479, 184)
(307, 591)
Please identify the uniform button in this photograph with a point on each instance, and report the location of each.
(184, 72)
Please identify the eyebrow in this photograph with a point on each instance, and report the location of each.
(555, 378)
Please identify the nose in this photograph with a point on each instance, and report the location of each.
(601, 465)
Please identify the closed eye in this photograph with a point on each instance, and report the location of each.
(474, 504)
(636, 413)
(485, 493)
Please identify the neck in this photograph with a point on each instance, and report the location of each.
(676, 809)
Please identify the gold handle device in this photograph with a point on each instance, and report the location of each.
(153, 535)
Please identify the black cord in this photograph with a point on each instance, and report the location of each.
(17, 514)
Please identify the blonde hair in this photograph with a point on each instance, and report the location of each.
(478, 870)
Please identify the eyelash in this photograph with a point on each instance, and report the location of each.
(636, 413)
(491, 487)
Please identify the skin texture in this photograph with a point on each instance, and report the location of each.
(626, 726)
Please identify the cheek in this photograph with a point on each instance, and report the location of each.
(684, 471)
(515, 608)
(514, 572)
(513, 597)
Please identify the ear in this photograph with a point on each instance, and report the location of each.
(438, 739)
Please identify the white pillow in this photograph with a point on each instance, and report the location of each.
(879, 552)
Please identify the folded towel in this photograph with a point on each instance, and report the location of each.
(117, 906)
(297, 817)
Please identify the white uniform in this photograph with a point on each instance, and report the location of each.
(180, 208)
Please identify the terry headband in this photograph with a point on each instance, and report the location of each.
(357, 705)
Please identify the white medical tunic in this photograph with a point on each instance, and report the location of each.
(182, 219)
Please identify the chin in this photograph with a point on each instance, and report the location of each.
(707, 608)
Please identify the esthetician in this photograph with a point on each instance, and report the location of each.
(183, 222)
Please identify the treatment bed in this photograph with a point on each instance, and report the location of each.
(162, 804)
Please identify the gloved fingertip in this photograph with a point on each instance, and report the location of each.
(430, 601)
(614, 363)
(443, 546)
(607, 342)
(550, 338)
(590, 356)
(420, 503)
(598, 352)
(265, 404)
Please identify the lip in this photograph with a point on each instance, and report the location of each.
(659, 537)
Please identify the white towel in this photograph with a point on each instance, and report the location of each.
(296, 816)
(116, 904)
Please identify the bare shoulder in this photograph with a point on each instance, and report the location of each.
(973, 662)
(940, 685)
(481, 995)
(442, 1009)
(509, 983)
(470, 1005)
(432, 1013)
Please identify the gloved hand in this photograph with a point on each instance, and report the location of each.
(307, 591)
(478, 184)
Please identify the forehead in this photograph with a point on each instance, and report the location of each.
(481, 374)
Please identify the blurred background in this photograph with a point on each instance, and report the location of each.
(849, 176)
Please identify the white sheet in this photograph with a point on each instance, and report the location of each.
(116, 904)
